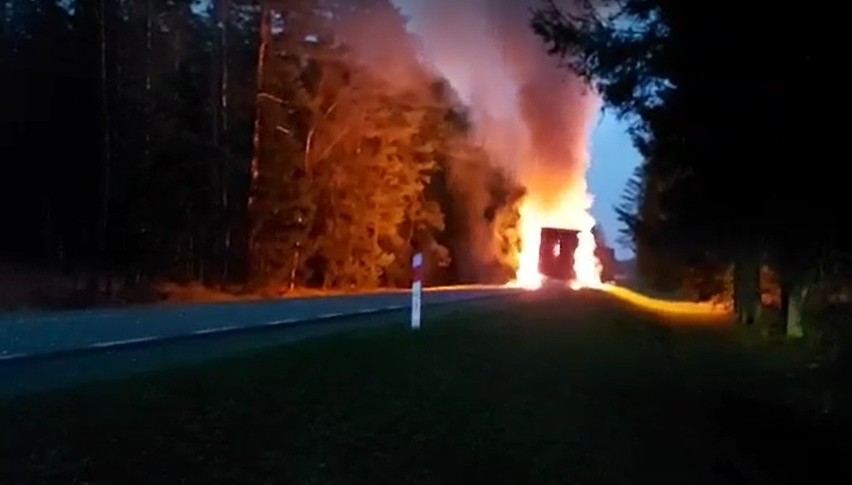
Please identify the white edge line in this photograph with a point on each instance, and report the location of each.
(12, 356)
(282, 322)
(206, 331)
(115, 343)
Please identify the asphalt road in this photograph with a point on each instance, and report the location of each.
(40, 352)
(26, 336)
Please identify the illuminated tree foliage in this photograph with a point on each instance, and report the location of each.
(355, 152)
(277, 144)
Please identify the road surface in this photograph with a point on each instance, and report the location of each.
(39, 352)
(26, 336)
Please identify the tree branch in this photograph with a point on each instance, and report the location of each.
(270, 97)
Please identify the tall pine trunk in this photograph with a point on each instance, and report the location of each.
(149, 101)
(106, 153)
(793, 297)
(256, 258)
(221, 138)
(747, 302)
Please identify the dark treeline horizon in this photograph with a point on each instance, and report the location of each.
(232, 143)
(735, 111)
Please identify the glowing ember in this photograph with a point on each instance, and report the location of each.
(570, 212)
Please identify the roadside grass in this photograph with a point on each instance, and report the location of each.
(550, 388)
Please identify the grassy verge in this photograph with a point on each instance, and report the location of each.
(555, 388)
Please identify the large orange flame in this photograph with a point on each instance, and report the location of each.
(569, 211)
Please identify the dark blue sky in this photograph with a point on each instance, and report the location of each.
(614, 159)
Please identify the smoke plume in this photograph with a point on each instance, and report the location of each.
(529, 114)
(533, 116)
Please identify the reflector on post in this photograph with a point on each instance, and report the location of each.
(416, 289)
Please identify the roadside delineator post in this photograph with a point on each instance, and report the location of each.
(416, 289)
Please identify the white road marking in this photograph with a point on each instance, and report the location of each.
(12, 356)
(215, 330)
(282, 322)
(116, 343)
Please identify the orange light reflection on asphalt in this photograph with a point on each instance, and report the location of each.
(666, 307)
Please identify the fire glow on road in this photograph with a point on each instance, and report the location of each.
(666, 307)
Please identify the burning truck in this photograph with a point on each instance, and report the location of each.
(556, 255)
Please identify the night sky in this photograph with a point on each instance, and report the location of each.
(613, 160)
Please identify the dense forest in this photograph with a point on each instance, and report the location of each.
(252, 145)
(740, 189)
